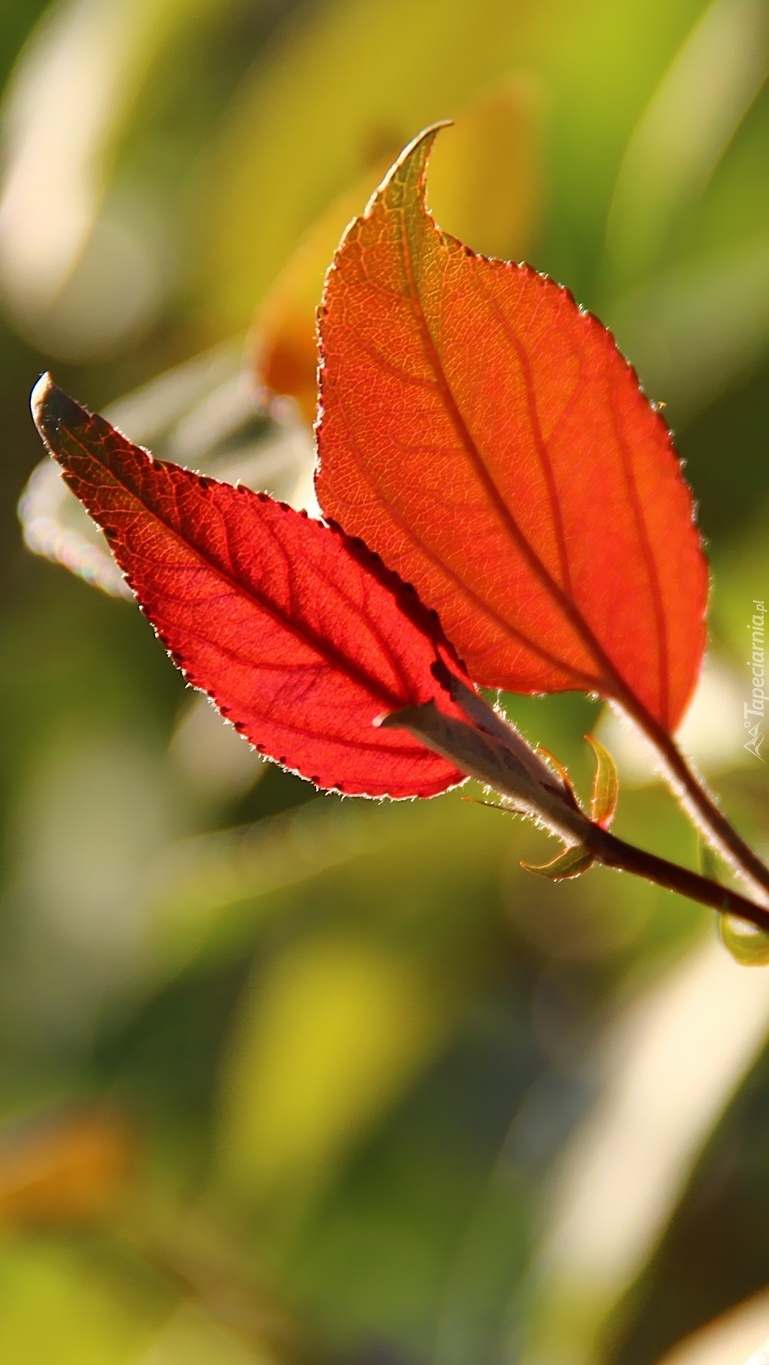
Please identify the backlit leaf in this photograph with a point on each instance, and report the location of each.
(747, 944)
(486, 437)
(571, 863)
(297, 632)
(603, 801)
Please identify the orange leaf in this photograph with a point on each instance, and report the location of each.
(71, 1168)
(298, 633)
(485, 436)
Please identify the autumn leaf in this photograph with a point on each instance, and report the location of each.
(297, 632)
(485, 436)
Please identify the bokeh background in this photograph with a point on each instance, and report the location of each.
(291, 1080)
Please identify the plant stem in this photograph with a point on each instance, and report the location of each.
(614, 852)
(702, 808)
(490, 749)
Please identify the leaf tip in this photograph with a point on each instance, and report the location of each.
(52, 408)
(411, 165)
(425, 138)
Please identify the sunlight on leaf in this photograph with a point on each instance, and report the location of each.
(603, 801)
(571, 863)
(576, 565)
(311, 640)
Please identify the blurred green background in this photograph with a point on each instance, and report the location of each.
(299, 1081)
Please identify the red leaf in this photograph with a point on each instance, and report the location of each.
(298, 633)
(485, 436)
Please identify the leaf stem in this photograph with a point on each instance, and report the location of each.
(703, 809)
(490, 749)
(614, 852)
